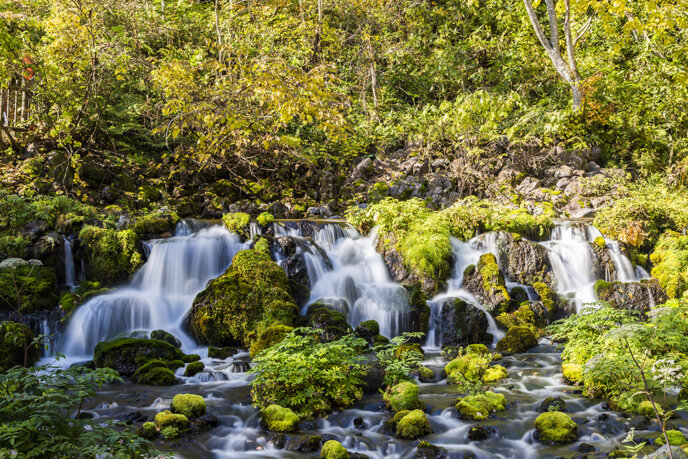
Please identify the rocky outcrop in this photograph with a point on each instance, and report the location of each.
(632, 296)
(603, 265)
(522, 261)
(401, 273)
(486, 282)
(458, 323)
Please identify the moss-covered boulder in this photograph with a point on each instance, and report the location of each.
(632, 296)
(426, 375)
(403, 396)
(14, 339)
(126, 355)
(676, 438)
(332, 449)
(481, 406)
(86, 290)
(148, 430)
(524, 261)
(193, 368)
(572, 373)
(280, 419)
(556, 428)
(333, 324)
(168, 419)
(271, 336)
(486, 282)
(110, 255)
(27, 287)
(162, 335)
(427, 450)
(458, 323)
(190, 405)
(419, 316)
(413, 425)
(524, 316)
(237, 307)
(517, 339)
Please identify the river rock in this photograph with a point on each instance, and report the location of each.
(459, 323)
(486, 282)
(126, 354)
(663, 453)
(632, 296)
(523, 261)
(603, 265)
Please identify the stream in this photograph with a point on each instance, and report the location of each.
(345, 271)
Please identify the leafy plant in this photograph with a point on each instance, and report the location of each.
(399, 358)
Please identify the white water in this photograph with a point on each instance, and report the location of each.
(70, 270)
(159, 295)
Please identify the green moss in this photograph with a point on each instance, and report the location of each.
(174, 364)
(572, 372)
(126, 355)
(377, 192)
(676, 438)
(169, 433)
(148, 366)
(670, 258)
(600, 242)
(402, 397)
(521, 317)
(168, 419)
(280, 419)
(495, 373)
(467, 367)
(237, 307)
(265, 219)
(193, 368)
(190, 405)
(546, 295)
(13, 338)
(332, 323)
(148, 430)
(413, 425)
(262, 245)
(110, 255)
(237, 222)
(332, 449)
(190, 358)
(517, 339)
(69, 301)
(271, 336)
(556, 427)
(479, 407)
(158, 376)
(28, 288)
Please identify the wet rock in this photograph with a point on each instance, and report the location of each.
(632, 296)
(458, 323)
(221, 352)
(552, 404)
(162, 335)
(412, 425)
(85, 415)
(480, 432)
(419, 315)
(34, 229)
(125, 354)
(609, 425)
(291, 250)
(586, 448)
(332, 324)
(486, 282)
(359, 423)
(517, 339)
(368, 330)
(556, 428)
(429, 451)
(640, 422)
(364, 170)
(306, 444)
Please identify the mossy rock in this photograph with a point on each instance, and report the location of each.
(168, 419)
(237, 223)
(279, 419)
(110, 255)
(556, 428)
(271, 336)
(603, 289)
(495, 373)
(126, 355)
(517, 339)
(413, 425)
(148, 430)
(333, 324)
(190, 405)
(473, 367)
(237, 307)
(427, 450)
(193, 368)
(158, 376)
(13, 337)
(332, 449)
(221, 352)
(547, 297)
(162, 335)
(174, 364)
(402, 397)
(479, 349)
(28, 288)
(479, 407)
(86, 290)
(676, 438)
(146, 367)
(600, 242)
(572, 373)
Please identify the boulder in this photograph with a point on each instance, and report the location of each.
(603, 265)
(363, 170)
(517, 339)
(332, 324)
(632, 296)
(162, 335)
(332, 449)
(486, 282)
(127, 354)
(459, 323)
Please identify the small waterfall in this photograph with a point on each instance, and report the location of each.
(254, 230)
(70, 270)
(159, 295)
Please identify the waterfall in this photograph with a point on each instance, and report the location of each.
(70, 270)
(159, 295)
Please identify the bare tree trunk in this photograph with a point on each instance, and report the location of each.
(318, 34)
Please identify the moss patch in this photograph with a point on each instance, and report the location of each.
(413, 425)
(190, 405)
(556, 427)
(479, 407)
(193, 368)
(126, 355)
(271, 336)
(280, 419)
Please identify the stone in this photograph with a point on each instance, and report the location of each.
(162, 335)
(481, 406)
(364, 170)
(480, 432)
(332, 449)
(459, 323)
(556, 428)
(517, 339)
(487, 283)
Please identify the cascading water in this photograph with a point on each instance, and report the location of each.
(70, 270)
(159, 295)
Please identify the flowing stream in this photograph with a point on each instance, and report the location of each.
(346, 273)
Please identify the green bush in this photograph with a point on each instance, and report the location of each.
(110, 255)
(308, 376)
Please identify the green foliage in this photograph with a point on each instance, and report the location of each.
(398, 359)
(190, 405)
(676, 438)
(40, 406)
(670, 258)
(110, 255)
(86, 290)
(308, 376)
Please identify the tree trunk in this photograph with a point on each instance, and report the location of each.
(577, 95)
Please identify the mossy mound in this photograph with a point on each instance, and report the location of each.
(86, 290)
(645, 408)
(413, 425)
(676, 438)
(523, 316)
(368, 330)
(426, 375)
(479, 407)
(556, 428)
(547, 297)
(332, 449)
(190, 405)
(495, 373)
(13, 338)
(193, 368)
(517, 339)
(280, 419)
(265, 219)
(168, 419)
(162, 335)
(126, 355)
(572, 373)
(237, 307)
(271, 336)
(110, 255)
(28, 288)
(402, 397)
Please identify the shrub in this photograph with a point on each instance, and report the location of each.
(308, 376)
(398, 359)
(670, 258)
